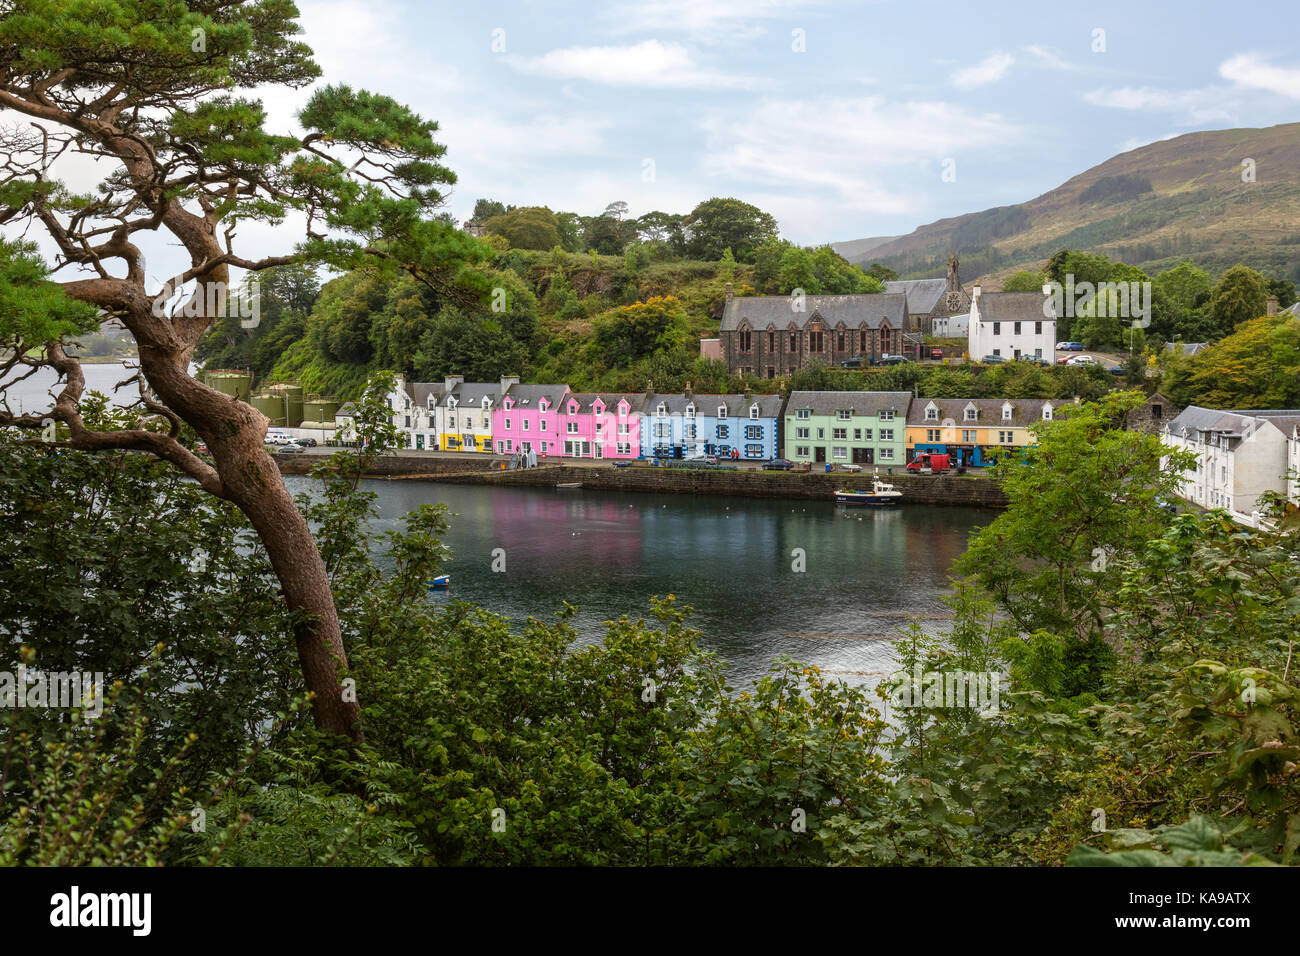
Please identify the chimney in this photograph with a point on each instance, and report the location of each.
(688, 392)
(975, 292)
(507, 381)
(731, 291)
(1272, 305)
(451, 381)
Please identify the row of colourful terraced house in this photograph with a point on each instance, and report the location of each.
(850, 428)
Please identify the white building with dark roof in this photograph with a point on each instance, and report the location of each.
(1011, 325)
(1239, 455)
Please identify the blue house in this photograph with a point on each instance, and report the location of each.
(743, 427)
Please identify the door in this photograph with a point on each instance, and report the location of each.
(819, 454)
(419, 441)
(862, 456)
(600, 449)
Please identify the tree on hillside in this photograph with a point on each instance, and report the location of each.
(485, 209)
(1023, 281)
(1240, 294)
(1284, 289)
(530, 227)
(154, 93)
(717, 223)
(1258, 366)
(637, 331)
(882, 272)
(616, 210)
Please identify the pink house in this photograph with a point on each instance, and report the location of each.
(600, 425)
(528, 419)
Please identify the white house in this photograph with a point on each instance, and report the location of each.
(951, 326)
(414, 406)
(1012, 325)
(1239, 455)
(1293, 464)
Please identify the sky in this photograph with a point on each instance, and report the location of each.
(843, 119)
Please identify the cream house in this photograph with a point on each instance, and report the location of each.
(1239, 455)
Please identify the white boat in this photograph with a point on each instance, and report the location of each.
(881, 493)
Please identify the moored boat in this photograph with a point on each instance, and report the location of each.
(881, 493)
(440, 582)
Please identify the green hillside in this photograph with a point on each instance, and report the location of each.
(1182, 198)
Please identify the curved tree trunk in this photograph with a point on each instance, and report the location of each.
(250, 479)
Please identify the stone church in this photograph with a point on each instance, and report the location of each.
(928, 299)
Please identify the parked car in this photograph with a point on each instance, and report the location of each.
(1035, 359)
(1070, 346)
(1081, 360)
(307, 442)
(993, 359)
(855, 362)
(289, 449)
(778, 464)
(1119, 370)
(1063, 359)
(892, 360)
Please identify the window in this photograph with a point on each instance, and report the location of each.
(753, 411)
(886, 434)
(771, 341)
(803, 413)
(857, 434)
(753, 431)
(408, 421)
(1156, 412)
(690, 410)
(843, 414)
(887, 415)
(753, 451)
(997, 328)
(599, 426)
(1006, 413)
(862, 340)
(866, 434)
(794, 341)
(971, 414)
(624, 448)
(662, 430)
(624, 428)
(509, 446)
(746, 340)
(821, 433)
(451, 422)
(932, 434)
(543, 448)
(571, 428)
(541, 426)
(690, 430)
(501, 447)
(801, 451)
(1038, 328)
(1016, 328)
(487, 422)
(839, 453)
(969, 436)
(1047, 413)
(1004, 438)
(932, 414)
(722, 411)
(816, 342)
(771, 371)
(661, 411)
(507, 424)
(839, 341)
(840, 434)
(886, 454)
(722, 431)
(801, 433)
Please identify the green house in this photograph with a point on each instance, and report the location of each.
(847, 428)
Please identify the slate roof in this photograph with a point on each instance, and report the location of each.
(472, 393)
(769, 406)
(1292, 309)
(1024, 411)
(1188, 348)
(587, 400)
(527, 396)
(853, 310)
(1231, 423)
(923, 295)
(861, 403)
(1013, 307)
(421, 391)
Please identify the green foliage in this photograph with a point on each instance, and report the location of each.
(1240, 294)
(1258, 366)
(1023, 281)
(718, 224)
(33, 310)
(532, 227)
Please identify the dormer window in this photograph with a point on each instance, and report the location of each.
(931, 413)
(1006, 413)
(1047, 413)
(753, 410)
(622, 409)
(972, 413)
(690, 410)
(543, 404)
(573, 408)
(661, 411)
(598, 408)
(843, 414)
(722, 411)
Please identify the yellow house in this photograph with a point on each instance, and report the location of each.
(973, 430)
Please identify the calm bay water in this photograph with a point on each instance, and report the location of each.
(729, 559)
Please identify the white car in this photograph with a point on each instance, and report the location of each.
(1081, 360)
(1061, 346)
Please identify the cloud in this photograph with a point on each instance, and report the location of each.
(1046, 56)
(988, 70)
(649, 63)
(1201, 105)
(855, 152)
(1247, 70)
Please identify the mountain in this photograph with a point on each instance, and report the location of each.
(1178, 198)
(857, 250)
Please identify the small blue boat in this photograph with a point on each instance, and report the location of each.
(441, 582)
